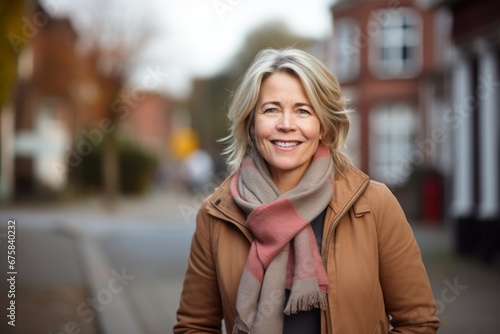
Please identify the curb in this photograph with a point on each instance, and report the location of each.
(106, 287)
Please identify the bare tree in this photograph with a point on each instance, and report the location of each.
(113, 35)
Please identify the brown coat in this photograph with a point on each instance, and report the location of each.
(369, 251)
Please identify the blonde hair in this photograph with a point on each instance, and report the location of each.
(322, 89)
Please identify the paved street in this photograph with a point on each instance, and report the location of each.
(70, 254)
(80, 267)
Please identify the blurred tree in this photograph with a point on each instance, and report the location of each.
(274, 34)
(11, 26)
(210, 96)
(136, 165)
(114, 35)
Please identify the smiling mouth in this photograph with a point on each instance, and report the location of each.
(286, 143)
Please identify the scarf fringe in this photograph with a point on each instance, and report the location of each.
(240, 327)
(307, 303)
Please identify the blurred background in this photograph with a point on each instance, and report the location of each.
(110, 112)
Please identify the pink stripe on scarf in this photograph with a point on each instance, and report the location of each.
(263, 221)
(277, 217)
(254, 266)
(321, 152)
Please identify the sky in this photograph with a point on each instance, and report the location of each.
(195, 38)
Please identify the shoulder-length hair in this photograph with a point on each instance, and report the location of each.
(322, 89)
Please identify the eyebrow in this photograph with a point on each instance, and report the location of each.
(298, 104)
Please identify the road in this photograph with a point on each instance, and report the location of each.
(85, 269)
(157, 256)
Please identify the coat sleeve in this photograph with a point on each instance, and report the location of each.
(407, 292)
(200, 309)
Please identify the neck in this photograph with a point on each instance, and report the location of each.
(287, 180)
(285, 185)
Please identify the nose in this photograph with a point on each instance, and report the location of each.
(286, 122)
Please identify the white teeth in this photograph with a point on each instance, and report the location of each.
(286, 144)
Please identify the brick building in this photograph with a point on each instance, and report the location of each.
(474, 122)
(384, 55)
(43, 107)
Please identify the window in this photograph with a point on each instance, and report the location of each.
(346, 49)
(396, 45)
(392, 133)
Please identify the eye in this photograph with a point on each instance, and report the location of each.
(304, 112)
(270, 111)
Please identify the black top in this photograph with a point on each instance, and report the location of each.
(306, 321)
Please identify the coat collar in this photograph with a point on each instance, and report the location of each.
(348, 188)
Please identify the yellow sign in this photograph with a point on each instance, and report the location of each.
(183, 143)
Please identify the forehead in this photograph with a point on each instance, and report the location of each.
(282, 82)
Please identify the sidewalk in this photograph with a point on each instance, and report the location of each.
(50, 285)
(467, 291)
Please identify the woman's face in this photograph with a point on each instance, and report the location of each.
(286, 128)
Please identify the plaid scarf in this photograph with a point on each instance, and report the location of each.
(284, 253)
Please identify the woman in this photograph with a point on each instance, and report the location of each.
(297, 240)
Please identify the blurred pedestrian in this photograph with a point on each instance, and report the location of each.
(197, 170)
(297, 240)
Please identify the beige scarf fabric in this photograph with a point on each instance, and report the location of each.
(284, 253)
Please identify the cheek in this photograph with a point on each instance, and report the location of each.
(313, 130)
(261, 129)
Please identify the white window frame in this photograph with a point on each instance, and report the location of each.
(393, 129)
(346, 49)
(390, 37)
